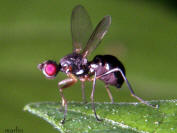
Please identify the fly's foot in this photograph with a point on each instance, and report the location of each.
(62, 121)
(98, 119)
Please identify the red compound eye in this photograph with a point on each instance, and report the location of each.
(50, 69)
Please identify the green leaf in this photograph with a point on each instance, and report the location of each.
(118, 117)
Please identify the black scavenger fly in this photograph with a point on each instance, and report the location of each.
(104, 67)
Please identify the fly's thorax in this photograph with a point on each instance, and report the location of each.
(74, 63)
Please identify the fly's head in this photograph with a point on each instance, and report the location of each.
(49, 68)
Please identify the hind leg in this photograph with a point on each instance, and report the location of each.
(129, 86)
(109, 93)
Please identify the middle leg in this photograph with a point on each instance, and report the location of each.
(83, 92)
(92, 98)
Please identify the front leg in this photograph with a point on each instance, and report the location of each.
(65, 84)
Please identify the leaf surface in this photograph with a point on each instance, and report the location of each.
(118, 117)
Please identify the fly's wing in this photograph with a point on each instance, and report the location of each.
(81, 28)
(97, 35)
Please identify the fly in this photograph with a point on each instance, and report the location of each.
(106, 68)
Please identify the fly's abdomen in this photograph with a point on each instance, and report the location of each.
(104, 63)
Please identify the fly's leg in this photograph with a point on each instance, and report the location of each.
(83, 92)
(92, 98)
(65, 84)
(128, 84)
(109, 94)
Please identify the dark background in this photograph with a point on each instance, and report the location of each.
(143, 35)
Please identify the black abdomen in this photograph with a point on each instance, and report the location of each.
(109, 62)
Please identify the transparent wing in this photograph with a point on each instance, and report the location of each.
(81, 28)
(97, 35)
